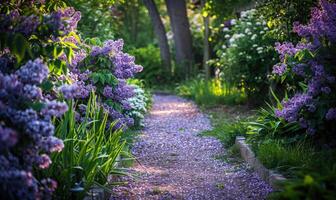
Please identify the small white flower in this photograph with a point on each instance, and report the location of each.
(262, 32)
(255, 45)
(254, 36)
(234, 45)
(265, 29)
(264, 22)
(233, 21)
(225, 29)
(249, 23)
(241, 53)
(258, 23)
(227, 36)
(260, 49)
(224, 47)
(247, 30)
(232, 40)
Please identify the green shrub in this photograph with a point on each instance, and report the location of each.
(90, 153)
(309, 187)
(246, 55)
(210, 93)
(149, 58)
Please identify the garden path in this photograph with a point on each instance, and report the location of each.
(176, 163)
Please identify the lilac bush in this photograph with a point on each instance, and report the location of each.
(26, 132)
(312, 64)
(104, 69)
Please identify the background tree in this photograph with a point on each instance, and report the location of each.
(177, 12)
(160, 33)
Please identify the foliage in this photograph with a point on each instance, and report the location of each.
(309, 67)
(115, 19)
(268, 126)
(281, 14)
(149, 58)
(288, 159)
(312, 186)
(90, 154)
(210, 93)
(98, 18)
(247, 45)
(227, 132)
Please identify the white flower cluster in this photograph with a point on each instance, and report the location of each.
(138, 104)
(251, 28)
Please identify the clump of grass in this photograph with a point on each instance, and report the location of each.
(285, 158)
(227, 132)
(211, 93)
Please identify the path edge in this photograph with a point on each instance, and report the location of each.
(269, 176)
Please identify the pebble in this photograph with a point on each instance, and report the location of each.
(174, 162)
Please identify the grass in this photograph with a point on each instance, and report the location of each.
(288, 159)
(228, 122)
(211, 93)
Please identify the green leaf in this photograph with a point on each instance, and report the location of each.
(47, 85)
(19, 47)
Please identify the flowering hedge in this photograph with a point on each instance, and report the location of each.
(311, 64)
(246, 54)
(42, 62)
(26, 111)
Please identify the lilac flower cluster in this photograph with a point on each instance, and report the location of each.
(64, 20)
(317, 71)
(26, 135)
(279, 69)
(322, 23)
(292, 107)
(122, 66)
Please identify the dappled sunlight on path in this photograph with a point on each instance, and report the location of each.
(176, 163)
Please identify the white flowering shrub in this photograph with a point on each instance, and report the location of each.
(139, 103)
(246, 54)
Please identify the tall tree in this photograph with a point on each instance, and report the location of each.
(177, 12)
(206, 47)
(160, 33)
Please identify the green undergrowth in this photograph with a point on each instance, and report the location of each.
(210, 93)
(228, 122)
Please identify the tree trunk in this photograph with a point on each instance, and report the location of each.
(177, 12)
(206, 44)
(160, 33)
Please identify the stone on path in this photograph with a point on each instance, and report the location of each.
(175, 163)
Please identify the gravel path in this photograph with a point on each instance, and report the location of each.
(176, 163)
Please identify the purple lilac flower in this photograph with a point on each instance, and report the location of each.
(28, 25)
(54, 108)
(43, 161)
(32, 92)
(8, 137)
(292, 107)
(279, 69)
(299, 69)
(77, 90)
(326, 90)
(108, 92)
(51, 144)
(322, 23)
(124, 66)
(331, 114)
(33, 72)
(39, 127)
